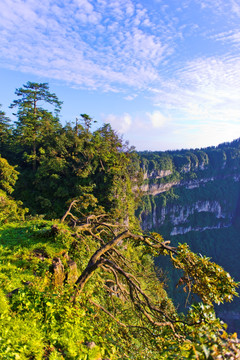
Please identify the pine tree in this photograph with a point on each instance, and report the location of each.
(32, 118)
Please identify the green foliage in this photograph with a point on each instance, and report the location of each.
(58, 163)
(8, 176)
(10, 210)
(5, 133)
(82, 165)
(204, 278)
(153, 161)
(59, 328)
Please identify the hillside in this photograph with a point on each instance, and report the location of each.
(85, 293)
(40, 262)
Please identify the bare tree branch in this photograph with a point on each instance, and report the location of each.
(68, 212)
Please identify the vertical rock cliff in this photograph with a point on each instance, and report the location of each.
(193, 196)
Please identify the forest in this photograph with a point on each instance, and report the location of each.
(77, 271)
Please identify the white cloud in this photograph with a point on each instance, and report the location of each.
(157, 119)
(130, 97)
(120, 123)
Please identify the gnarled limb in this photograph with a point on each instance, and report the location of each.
(68, 212)
(104, 252)
(96, 261)
(126, 277)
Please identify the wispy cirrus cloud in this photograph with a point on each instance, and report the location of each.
(232, 36)
(222, 7)
(92, 44)
(204, 88)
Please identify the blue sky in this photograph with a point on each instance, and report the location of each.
(164, 73)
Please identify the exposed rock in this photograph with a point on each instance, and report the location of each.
(205, 197)
(184, 230)
(157, 174)
(57, 269)
(65, 256)
(155, 189)
(179, 216)
(62, 275)
(90, 344)
(72, 274)
(186, 168)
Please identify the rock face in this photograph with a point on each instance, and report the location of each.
(205, 182)
(155, 189)
(156, 174)
(58, 272)
(63, 274)
(182, 217)
(72, 274)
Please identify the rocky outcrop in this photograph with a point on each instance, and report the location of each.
(58, 272)
(180, 214)
(178, 217)
(61, 274)
(72, 272)
(180, 230)
(156, 174)
(155, 189)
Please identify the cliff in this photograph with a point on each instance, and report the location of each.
(193, 196)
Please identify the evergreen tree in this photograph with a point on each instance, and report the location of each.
(87, 121)
(32, 118)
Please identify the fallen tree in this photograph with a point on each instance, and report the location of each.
(121, 277)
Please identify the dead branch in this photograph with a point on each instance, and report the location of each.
(96, 261)
(96, 237)
(121, 323)
(98, 258)
(123, 259)
(125, 277)
(108, 313)
(68, 212)
(117, 282)
(108, 258)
